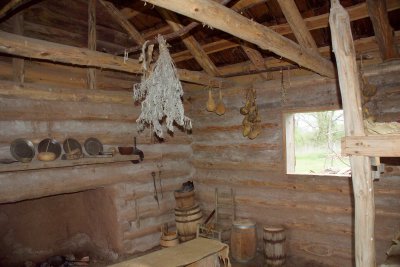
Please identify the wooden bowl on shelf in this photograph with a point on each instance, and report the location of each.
(125, 150)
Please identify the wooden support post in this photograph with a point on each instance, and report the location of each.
(18, 63)
(91, 72)
(297, 24)
(227, 20)
(342, 43)
(190, 42)
(383, 30)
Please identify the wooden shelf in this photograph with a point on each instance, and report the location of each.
(59, 163)
(372, 145)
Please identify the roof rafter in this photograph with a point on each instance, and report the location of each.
(119, 17)
(190, 42)
(297, 24)
(231, 22)
(356, 12)
(383, 30)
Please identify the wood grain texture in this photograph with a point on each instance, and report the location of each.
(190, 42)
(227, 20)
(18, 63)
(383, 31)
(364, 207)
(92, 41)
(297, 24)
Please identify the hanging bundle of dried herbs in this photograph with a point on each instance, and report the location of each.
(162, 92)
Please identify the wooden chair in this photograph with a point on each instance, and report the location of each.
(224, 215)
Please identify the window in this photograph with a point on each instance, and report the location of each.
(313, 143)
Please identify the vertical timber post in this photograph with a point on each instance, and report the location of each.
(91, 72)
(343, 47)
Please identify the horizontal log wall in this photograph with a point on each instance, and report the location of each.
(54, 102)
(316, 210)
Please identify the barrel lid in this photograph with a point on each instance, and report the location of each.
(274, 228)
(244, 223)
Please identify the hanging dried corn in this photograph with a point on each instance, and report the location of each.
(162, 91)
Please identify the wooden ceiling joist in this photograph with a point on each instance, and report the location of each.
(356, 12)
(297, 24)
(246, 4)
(257, 59)
(229, 21)
(120, 18)
(190, 42)
(383, 30)
(43, 50)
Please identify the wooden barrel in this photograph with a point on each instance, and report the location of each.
(184, 200)
(169, 239)
(243, 240)
(274, 245)
(186, 222)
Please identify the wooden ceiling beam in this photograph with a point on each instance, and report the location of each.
(356, 12)
(190, 42)
(383, 30)
(10, 6)
(297, 24)
(119, 17)
(43, 50)
(229, 21)
(362, 46)
(246, 4)
(257, 59)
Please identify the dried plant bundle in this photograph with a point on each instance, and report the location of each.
(162, 92)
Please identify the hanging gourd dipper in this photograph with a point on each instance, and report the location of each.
(220, 110)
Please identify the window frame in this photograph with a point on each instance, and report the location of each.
(289, 125)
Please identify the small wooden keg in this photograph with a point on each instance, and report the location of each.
(169, 239)
(274, 245)
(243, 240)
(186, 222)
(184, 199)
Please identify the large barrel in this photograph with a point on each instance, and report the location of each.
(184, 200)
(243, 240)
(186, 222)
(274, 245)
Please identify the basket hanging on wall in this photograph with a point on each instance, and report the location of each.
(162, 92)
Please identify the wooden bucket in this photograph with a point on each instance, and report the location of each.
(184, 200)
(274, 245)
(243, 240)
(186, 222)
(169, 239)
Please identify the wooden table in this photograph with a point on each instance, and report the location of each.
(199, 252)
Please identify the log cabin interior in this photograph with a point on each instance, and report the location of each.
(69, 70)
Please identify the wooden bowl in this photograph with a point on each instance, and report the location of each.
(46, 156)
(125, 150)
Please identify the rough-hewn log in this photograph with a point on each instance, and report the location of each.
(245, 4)
(190, 42)
(10, 6)
(372, 146)
(18, 63)
(383, 30)
(356, 12)
(231, 22)
(119, 17)
(33, 48)
(257, 59)
(342, 43)
(92, 39)
(297, 24)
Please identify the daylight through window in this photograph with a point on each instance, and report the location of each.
(313, 143)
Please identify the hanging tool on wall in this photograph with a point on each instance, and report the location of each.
(159, 166)
(155, 189)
